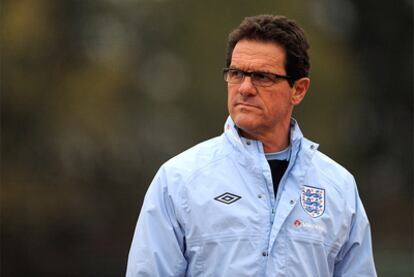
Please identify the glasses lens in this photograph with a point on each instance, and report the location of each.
(234, 76)
(262, 79)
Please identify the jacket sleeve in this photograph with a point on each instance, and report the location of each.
(355, 257)
(158, 243)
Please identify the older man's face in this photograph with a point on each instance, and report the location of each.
(258, 111)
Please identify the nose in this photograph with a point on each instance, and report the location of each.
(247, 88)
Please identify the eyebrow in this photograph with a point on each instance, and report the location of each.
(260, 71)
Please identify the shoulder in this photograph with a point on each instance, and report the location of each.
(324, 164)
(337, 182)
(330, 167)
(196, 158)
(333, 176)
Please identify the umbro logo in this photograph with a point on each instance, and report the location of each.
(227, 198)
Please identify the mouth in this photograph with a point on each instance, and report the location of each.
(243, 105)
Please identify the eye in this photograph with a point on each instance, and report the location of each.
(259, 75)
(262, 77)
(235, 73)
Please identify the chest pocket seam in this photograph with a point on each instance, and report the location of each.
(220, 237)
(333, 245)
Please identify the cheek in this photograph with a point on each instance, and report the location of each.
(270, 103)
(230, 97)
(277, 105)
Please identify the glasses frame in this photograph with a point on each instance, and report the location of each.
(274, 77)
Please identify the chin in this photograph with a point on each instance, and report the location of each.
(245, 122)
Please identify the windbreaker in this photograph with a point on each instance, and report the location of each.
(212, 211)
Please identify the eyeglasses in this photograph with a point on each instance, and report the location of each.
(260, 79)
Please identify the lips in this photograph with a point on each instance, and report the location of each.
(246, 105)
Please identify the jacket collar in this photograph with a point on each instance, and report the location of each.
(231, 132)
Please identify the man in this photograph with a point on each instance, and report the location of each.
(260, 200)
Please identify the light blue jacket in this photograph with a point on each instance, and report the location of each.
(211, 211)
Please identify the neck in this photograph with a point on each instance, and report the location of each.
(273, 141)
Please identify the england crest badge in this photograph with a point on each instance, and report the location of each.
(313, 200)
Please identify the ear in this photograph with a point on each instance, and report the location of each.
(300, 87)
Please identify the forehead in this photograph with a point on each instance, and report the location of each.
(257, 55)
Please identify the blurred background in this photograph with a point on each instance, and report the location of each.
(96, 95)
